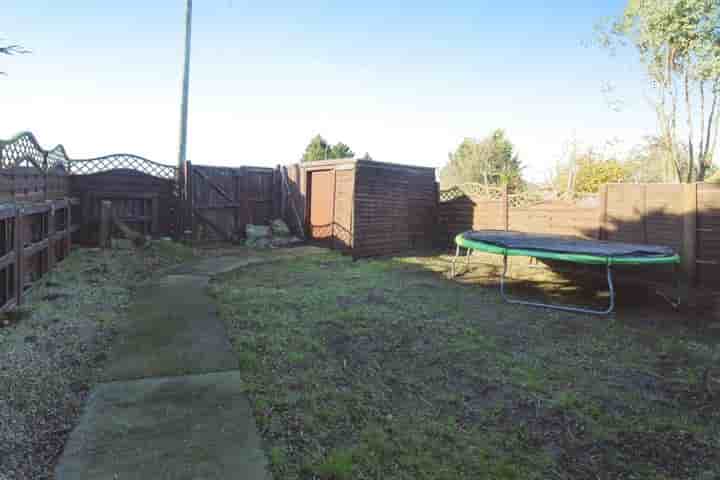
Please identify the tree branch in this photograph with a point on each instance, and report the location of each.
(12, 50)
(701, 147)
(709, 150)
(688, 107)
(672, 139)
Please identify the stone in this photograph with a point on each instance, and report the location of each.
(122, 244)
(280, 228)
(257, 231)
(285, 241)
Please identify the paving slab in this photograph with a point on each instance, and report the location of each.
(190, 427)
(172, 328)
(217, 265)
(228, 263)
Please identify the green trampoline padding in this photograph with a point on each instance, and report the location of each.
(567, 249)
(461, 241)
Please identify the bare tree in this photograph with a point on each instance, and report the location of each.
(12, 49)
(679, 44)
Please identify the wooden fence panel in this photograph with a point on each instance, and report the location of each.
(556, 218)
(33, 238)
(29, 173)
(685, 217)
(663, 214)
(708, 227)
(146, 203)
(624, 215)
(224, 200)
(469, 213)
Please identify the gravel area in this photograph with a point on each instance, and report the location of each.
(53, 350)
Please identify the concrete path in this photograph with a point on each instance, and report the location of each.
(172, 329)
(176, 428)
(172, 406)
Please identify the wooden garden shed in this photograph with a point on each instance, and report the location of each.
(363, 207)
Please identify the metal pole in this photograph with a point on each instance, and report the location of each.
(185, 86)
(567, 308)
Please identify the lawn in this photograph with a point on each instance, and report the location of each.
(385, 369)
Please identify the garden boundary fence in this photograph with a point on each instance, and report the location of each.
(683, 216)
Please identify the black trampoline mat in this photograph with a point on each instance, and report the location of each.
(566, 244)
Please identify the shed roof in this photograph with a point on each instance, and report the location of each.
(341, 162)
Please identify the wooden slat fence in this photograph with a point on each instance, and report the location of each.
(39, 215)
(708, 234)
(683, 216)
(30, 173)
(223, 200)
(146, 203)
(33, 238)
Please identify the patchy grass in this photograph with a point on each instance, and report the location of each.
(54, 350)
(385, 369)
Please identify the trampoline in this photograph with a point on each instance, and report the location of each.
(563, 248)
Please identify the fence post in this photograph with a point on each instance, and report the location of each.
(105, 219)
(51, 229)
(244, 199)
(177, 229)
(283, 192)
(155, 222)
(19, 257)
(602, 218)
(236, 198)
(68, 226)
(689, 239)
(45, 175)
(506, 207)
(189, 206)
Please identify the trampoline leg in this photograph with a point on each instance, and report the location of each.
(673, 299)
(678, 289)
(567, 308)
(677, 284)
(452, 268)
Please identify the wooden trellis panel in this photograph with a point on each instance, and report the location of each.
(122, 161)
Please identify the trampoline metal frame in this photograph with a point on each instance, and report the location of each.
(555, 306)
(567, 308)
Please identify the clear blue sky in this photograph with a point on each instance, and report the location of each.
(404, 81)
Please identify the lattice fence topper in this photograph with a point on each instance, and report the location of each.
(23, 150)
(475, 190)
(57, 158)
(121, 161)
(528, 198)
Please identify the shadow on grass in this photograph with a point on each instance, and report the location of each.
(385, 368)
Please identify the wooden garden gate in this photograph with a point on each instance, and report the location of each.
(223, 200)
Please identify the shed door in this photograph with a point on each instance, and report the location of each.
(321, 204)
